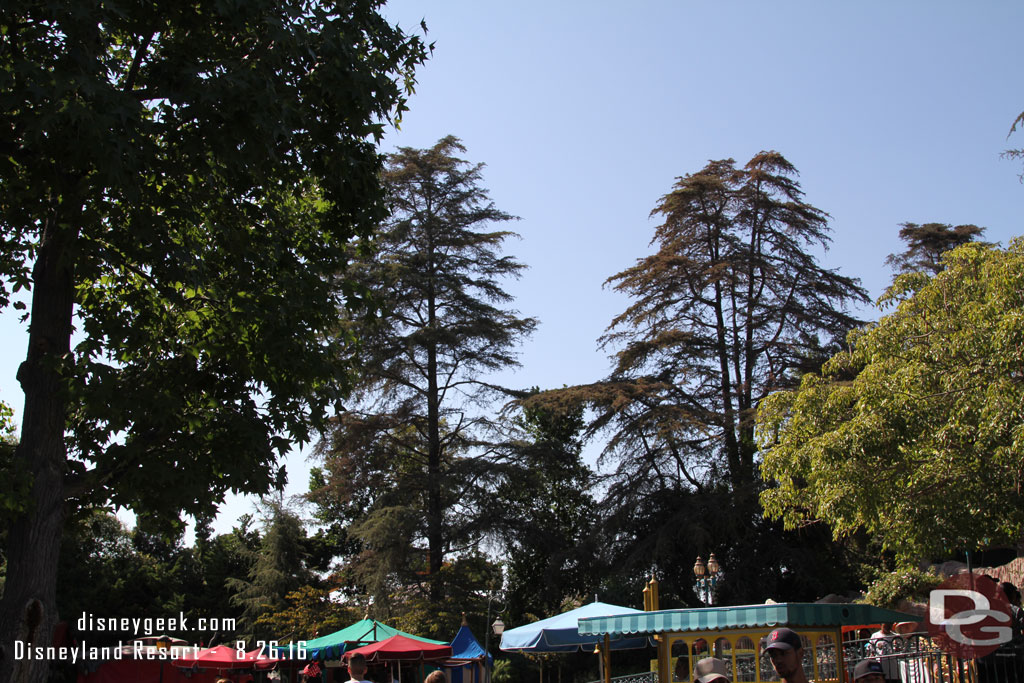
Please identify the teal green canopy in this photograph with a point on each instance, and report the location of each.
(363, 632)
(792, 614)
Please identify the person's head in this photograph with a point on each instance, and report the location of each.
(786, 651)
(868, 671)
(887, 628)
(435, 677)
(357, 666)
(710, 670)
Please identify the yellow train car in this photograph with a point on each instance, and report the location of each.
(736, 634)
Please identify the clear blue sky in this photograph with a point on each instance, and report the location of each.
(586, 112)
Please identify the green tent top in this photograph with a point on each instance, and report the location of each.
(363, 632)
(792, 614)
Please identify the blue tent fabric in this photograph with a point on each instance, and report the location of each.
(561, 633)
(469, 662)
(465, 646)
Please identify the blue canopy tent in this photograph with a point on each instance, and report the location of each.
(561, 633)
(469, 662)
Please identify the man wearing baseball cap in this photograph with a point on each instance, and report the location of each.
(869, 671)
(710, 670)
(786, 650)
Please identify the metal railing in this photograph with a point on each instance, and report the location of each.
(915, 658)
(642, 677)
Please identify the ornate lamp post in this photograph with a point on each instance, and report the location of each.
(498, 626)
(708, 578)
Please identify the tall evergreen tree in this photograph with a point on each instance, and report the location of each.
(927, 242)
(277, 568)
(727, 309)
(407, 457)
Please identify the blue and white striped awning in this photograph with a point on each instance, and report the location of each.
(793, 614)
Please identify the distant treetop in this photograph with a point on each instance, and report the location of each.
(927, 242)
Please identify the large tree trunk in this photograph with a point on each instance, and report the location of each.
(28, 611)
(435, 510)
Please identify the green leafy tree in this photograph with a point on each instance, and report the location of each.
(179, 183)
(464, 582)
(926, 243)
(109, 571)
(731, 306)
(409, 456)
(916, 434)
(8, 431)
(13, 489)
(546, 515)
(309, 612)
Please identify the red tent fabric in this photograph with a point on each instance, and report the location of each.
(149, 671)
(224, 657)
(400, 648)
(206, 666)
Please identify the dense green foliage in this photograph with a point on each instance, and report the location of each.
(546, 516)
(926, 408)
(13, 483)
(181, 183)
(9, 480)
(276, 568)
(188, 162)
(890, 589)
(109, 571)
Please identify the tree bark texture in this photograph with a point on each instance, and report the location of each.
(28, 611)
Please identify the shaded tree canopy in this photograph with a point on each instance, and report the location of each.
(731, 305)
(545, 516)
(926, 243)
(110, 571)
(13, 488)
(924, 448)
(407, 460)
(276, 569)
(180, 183)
